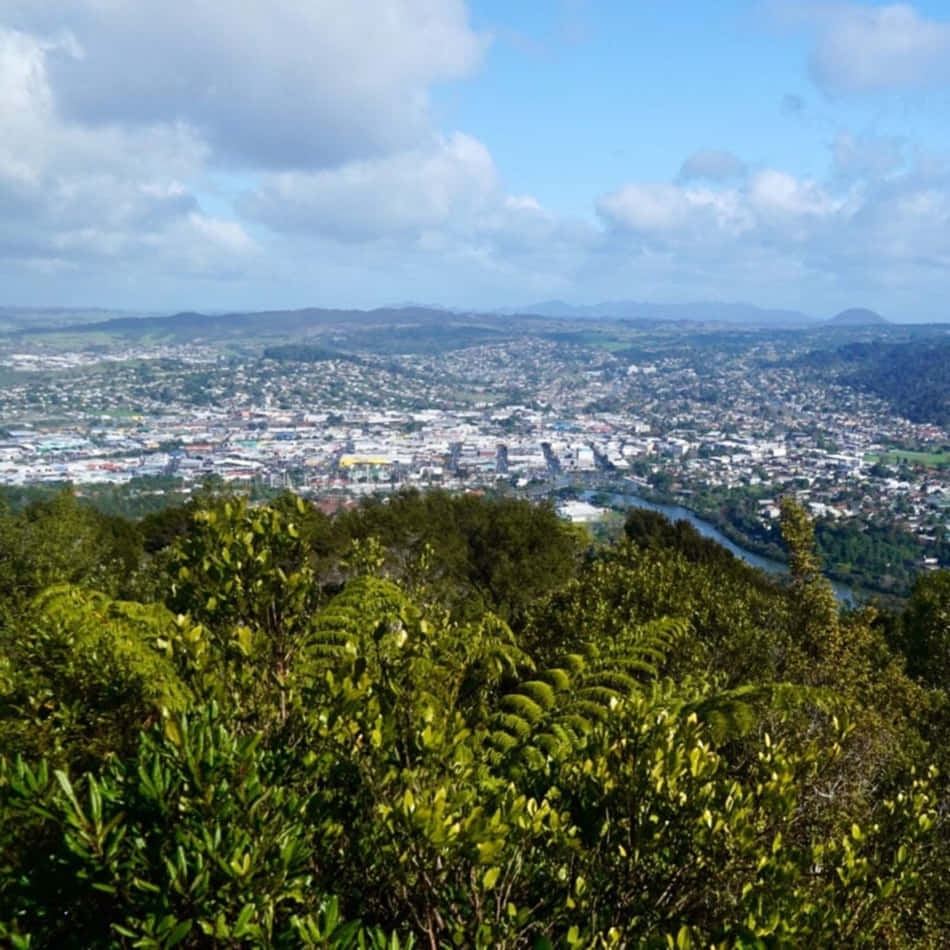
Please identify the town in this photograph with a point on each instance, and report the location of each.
(674, 417)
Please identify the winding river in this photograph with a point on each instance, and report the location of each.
(676, 513)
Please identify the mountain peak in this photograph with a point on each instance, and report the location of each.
(858, 317)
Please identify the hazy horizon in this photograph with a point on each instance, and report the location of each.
(546, 307)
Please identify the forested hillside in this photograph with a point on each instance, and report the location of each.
(451, 722)
(913, 376)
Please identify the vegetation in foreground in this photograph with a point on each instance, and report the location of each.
(445, 722)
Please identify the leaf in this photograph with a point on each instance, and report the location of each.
(244, 639)
(67, 788)
(179, 933)
(684, 940)
(172, 731)
(241, 924)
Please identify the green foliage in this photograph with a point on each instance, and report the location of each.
(59, 540)
(925, 630)
(846, 652)
(812, 596)
(736, 618)
(550, 716)
(194, 842)
(885, 556)
(85, 674)
(913, 376)
(244, 574)
(652, 530)
(429, 723)
(496, 554)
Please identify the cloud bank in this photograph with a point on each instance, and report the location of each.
(283, 83)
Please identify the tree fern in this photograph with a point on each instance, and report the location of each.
(130, 635)
(85, 674)
(731, 713)
(373, 629)
(551, 713)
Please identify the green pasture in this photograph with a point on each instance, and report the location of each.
(927, 459)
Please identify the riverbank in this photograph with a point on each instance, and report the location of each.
(877, 558)
(625, 499)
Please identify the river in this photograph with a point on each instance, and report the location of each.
(845, 595)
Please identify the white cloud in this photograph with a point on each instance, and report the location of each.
(775, 230)
(523, 203)
(859, 48)
(440, 185)
(118, 115)
(766, 201)
(660, 210)
(867, 156)
(71, 194)
(441, 206)
(287, 83)
(524, 235)
(127, 125)
(774, 193)
(229, 235)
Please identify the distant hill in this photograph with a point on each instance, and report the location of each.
(414, 328)
(913, 376)
(700, 312)
(858, 317)
(266, 322)
(280, 324)
(33, 318)
(407, 329)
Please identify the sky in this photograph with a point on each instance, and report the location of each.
(161, 155)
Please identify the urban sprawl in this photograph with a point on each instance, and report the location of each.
(532, 415)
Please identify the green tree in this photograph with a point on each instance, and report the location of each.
(244, 574)
(84, 674)
(60, 540)
(925, 629)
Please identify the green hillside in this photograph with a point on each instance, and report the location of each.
(914, 377)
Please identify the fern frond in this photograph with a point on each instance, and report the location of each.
(730, 714)
(558, 678)
(562, 705)
(534, 759)
(600, 695)
(618, 682)
(550, 743)
(503, 741)
(575, 662)
(539, 691)
(524, 706)
(590, 709)
(514, 726)
(577, 724)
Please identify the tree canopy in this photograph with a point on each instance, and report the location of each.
(449, 722)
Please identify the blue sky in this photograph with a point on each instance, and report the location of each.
(475, 154)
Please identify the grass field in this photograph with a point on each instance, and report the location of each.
(928, 459)
(603, 341)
